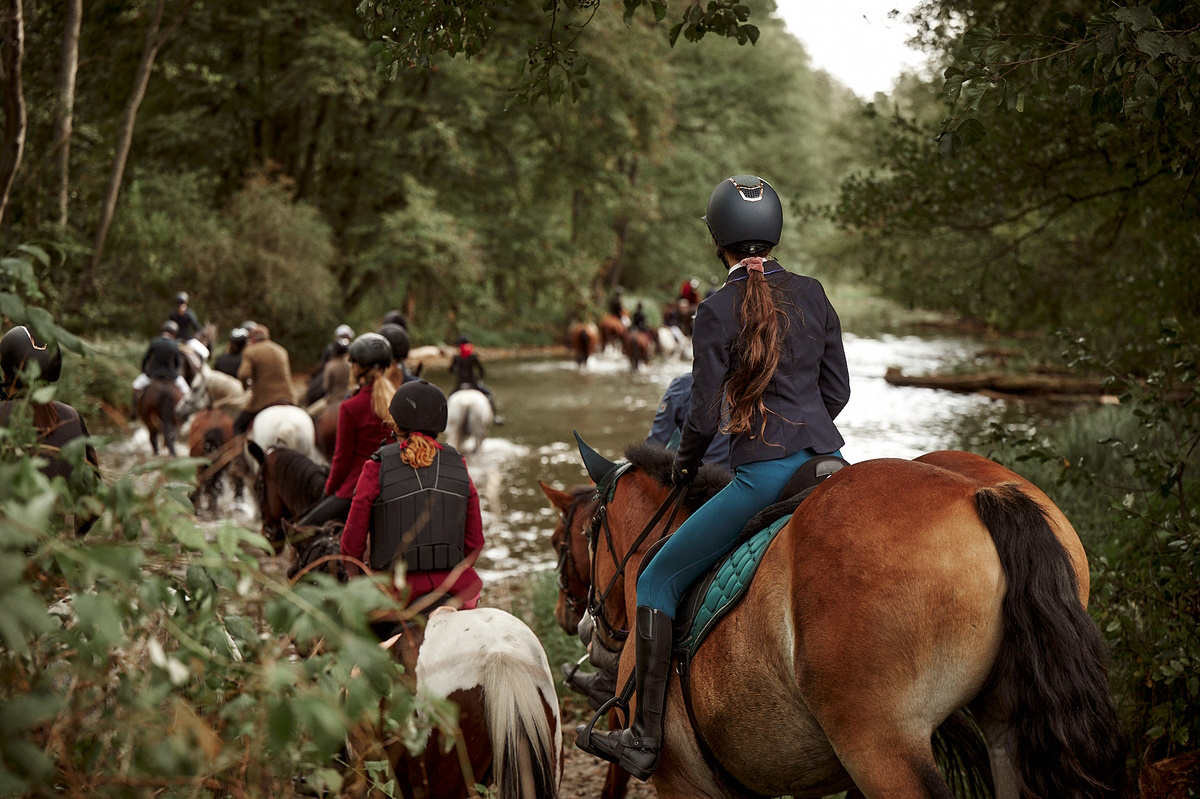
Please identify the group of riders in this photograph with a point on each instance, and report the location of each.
(769, 377)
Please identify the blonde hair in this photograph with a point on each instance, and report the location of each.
(381, 391)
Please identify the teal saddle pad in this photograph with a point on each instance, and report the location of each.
(711, 598)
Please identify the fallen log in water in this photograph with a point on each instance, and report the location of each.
(1003, 384)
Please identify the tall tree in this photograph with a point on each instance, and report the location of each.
(64, 112)
(12, 51)
(156, 37)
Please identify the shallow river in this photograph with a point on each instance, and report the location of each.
(543, 400)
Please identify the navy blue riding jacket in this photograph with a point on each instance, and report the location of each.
(672, 412)
(810, 387)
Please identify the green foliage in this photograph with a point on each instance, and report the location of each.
(157, 655)
(1126, 478)
(411, 33)
(1038, 187)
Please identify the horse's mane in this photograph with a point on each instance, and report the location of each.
(656, 461)
(299, 479)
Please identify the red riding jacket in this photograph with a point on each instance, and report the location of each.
(359, 433)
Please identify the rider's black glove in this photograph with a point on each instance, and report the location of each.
(682, 474)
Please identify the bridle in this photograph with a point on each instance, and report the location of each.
(606, 488)
(566, 562)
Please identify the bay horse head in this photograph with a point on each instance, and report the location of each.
(569, 540)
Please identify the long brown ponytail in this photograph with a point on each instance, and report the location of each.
(759, 348)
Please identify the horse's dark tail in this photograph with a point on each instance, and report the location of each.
(1050, 675)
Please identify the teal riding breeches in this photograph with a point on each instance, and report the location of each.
(712, 531)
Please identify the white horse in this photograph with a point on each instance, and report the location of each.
(492, 666)
(283, 426)
(212, 389)
(468, 415)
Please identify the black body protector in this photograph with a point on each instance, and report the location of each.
(421, 514)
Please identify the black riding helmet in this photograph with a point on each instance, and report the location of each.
(370, 350)
(745, 213)
(394, 317)
(398, 339)
(419, 406)
(181, 298)
(170, 327)
(239, 334)
(19, 347)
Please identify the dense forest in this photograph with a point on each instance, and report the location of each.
(276, 175)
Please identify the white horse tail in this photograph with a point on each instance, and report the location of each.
(519, 692)
(518, 689)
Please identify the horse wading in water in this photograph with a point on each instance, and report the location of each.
(639, 347)
(899, 593)
(468, 415)
(585, 340)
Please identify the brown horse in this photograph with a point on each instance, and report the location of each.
(612, 332)
(639, 347)
(326, 424)
(492, 667)
(569, 540)
(288, 483)
(585, 340)
(156, 410)
(210, 432)
(899, 593)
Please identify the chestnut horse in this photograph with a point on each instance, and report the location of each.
(156, 410)
(569, 540)
(585, 340)
(209, 434)
(897, 594)
(612, 332)
(639, 347)
(492, 667)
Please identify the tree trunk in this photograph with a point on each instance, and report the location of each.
(154, 41)
(65, 113)
(125, 137)
(12, 50)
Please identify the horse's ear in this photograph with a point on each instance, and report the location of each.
(559, 499)
(596, 464)
(255, 451)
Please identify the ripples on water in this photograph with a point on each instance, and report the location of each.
(544, 400)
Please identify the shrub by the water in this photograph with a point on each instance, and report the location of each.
(1128, 479)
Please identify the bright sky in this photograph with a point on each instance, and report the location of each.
(854, 40)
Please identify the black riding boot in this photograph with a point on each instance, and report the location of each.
(636, 749)
(598, 686)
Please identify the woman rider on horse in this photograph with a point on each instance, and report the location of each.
(363, 427)
(769, 343)
(417, 506)
(56, 424)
